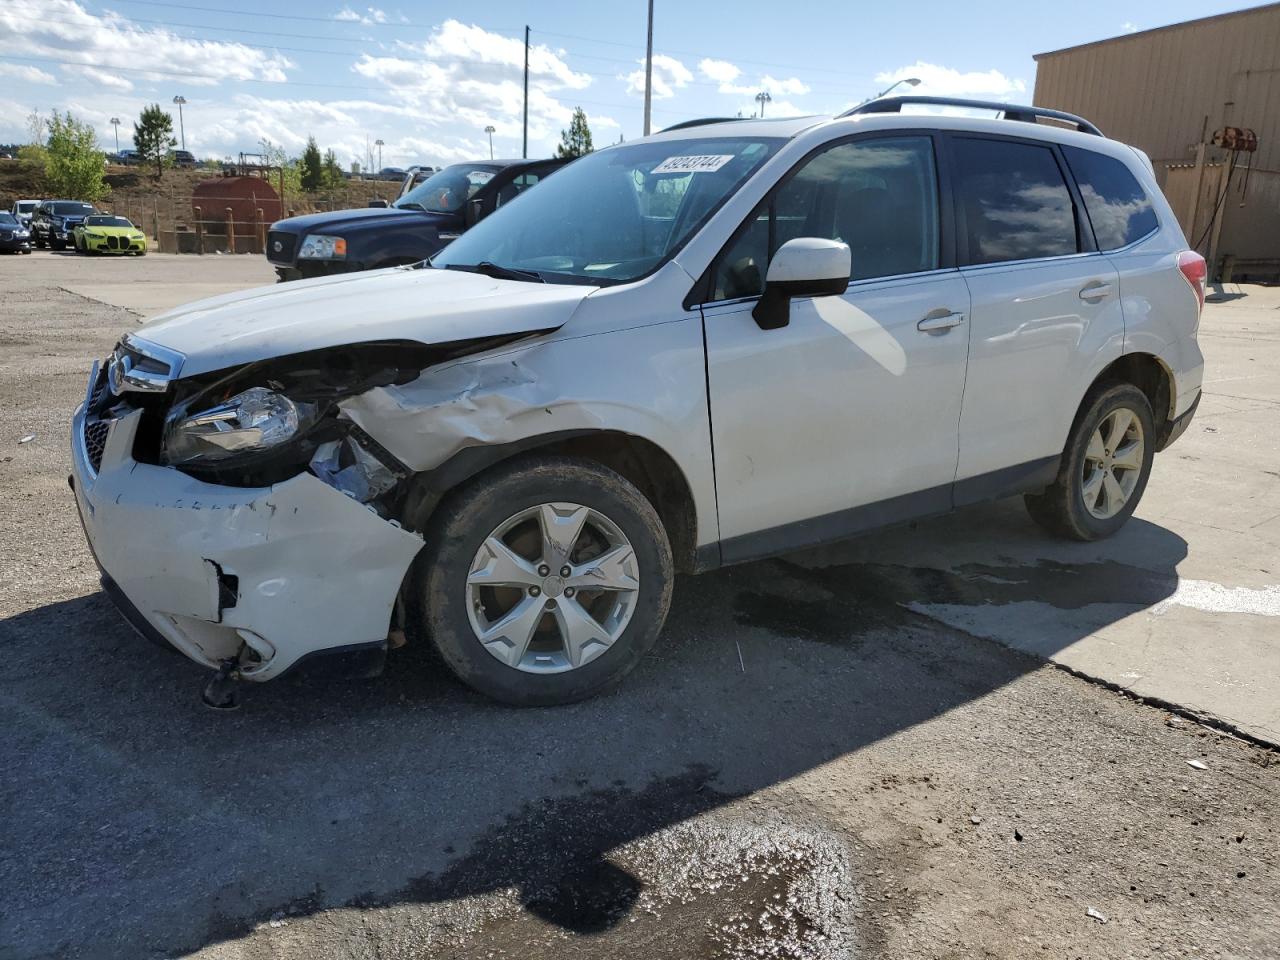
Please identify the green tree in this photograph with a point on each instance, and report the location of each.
(73, 163)
(311, 167)
(575, 141)
(332, 171)
(277, 157)
(153, 136)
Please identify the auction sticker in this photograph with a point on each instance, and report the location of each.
(705, 163)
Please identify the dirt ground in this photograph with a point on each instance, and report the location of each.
(806, 766)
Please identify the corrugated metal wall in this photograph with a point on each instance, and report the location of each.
(1163, 90)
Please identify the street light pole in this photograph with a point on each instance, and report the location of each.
(490, 130)
(379, 144)
(648, 73)
(524, 150)
(909, 81)
(180, 100)
(115, 122)
(762, 98)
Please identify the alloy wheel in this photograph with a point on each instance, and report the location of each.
(1113, 463)
(552, 588)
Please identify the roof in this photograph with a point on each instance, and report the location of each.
(1170, 26)
(779, 127)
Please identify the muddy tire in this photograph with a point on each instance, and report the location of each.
(1104, 469)
(543, 581)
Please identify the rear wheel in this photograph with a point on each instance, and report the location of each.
(544, 581)
(39, 243)
(58, 244)
(1104, 468)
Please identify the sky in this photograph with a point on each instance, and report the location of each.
(427, 78)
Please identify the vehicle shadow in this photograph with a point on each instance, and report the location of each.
(150, 822)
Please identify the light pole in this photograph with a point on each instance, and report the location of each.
(490, 130)
(115, 122)
(648, 73)
(762, 98)
(909, 81)
(180, 100)
(379, 144)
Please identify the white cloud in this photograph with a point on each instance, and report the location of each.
(669, 75)
(64, 30)
(721, 71)
(944, 81)
(26, 74)
(101, 77)
(370, 16)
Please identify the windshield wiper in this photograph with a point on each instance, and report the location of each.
(498, 272)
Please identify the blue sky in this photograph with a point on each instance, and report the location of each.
(428, 77)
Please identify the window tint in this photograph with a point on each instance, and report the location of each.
(878, 196)
(1118, 208)
(518, 185)
(1013, 200)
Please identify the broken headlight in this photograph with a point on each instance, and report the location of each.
(252, 422)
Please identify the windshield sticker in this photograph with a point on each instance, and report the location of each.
(708, 163)
(480, 176)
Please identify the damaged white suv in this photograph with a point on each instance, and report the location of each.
(712, 345)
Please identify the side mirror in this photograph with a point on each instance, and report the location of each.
(472, 212)
(803, 267)
(379, 203)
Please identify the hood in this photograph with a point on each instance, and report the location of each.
(403, 303)
(359, 217)
(113, 231)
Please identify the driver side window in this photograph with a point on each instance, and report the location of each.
(878, 196)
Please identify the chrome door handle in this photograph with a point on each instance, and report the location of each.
(940, 324)
(1095, 291)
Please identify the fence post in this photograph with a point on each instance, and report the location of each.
(155, 219)
(231, 231)
(199, 229)
(260, 229)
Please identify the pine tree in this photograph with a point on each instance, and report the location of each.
(312, 168)
(153, 136)
(332, 172)
(576, 141)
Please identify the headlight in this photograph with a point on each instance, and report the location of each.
(90, 233)
(254, 421)
(321, 247)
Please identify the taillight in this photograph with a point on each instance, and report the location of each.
(1193, 267)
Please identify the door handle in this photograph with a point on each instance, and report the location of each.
(1097, 290)
(940, 324)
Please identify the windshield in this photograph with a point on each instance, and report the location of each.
(107, 222)
(8, 219)
(614, 215)
(68, 209)
(448, 190)
(26, 206)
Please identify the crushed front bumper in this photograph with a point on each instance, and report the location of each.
(274, 573)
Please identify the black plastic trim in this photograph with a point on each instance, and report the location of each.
(1173, 429)
(1021, 478)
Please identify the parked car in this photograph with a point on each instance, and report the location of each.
(128, 158)
(55, 220)
(104, 233)
(24, 210)
(414, 227)
(508, 452)
(182, 158)
(14, 236)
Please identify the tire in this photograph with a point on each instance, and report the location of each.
(1062, 508)
(58, 244)
(39, 244)
(445, 607)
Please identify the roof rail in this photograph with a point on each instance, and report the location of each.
(1011, 111)
(702, 121)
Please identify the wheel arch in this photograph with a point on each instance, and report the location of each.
(1145, 371)
(645, 464)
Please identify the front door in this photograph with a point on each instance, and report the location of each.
(847, 418)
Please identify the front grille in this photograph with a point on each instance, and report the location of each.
(113, 243)
(95, 441)
(280, 246)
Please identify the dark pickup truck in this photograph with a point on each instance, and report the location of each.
(414, 227)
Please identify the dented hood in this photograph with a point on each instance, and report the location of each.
(425, 305)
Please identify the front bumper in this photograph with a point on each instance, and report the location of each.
(286, 571)
(307, 269)
(122, 245)
(15, 245)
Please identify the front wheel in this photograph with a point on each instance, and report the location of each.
(543, 581)
(58, 244)
(1104, 468)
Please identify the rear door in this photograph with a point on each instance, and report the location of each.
(847, 417)
(1045, 309)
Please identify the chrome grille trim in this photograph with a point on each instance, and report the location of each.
(142, 366)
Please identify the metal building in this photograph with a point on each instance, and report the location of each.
(1189, 95)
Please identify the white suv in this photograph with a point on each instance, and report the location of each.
(714, 344)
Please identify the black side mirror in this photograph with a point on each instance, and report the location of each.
(803, 267)
(472, 212)
(379, 203)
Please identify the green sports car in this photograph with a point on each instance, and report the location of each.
(102, 233)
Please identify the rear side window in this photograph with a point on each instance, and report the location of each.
(1118, 207)
(1014, 202)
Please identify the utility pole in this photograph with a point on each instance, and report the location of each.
(115, 122)
(379, 144)
(762, 98)
(490, 130)
(180, 100)
(648, 73)
(524, 150)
